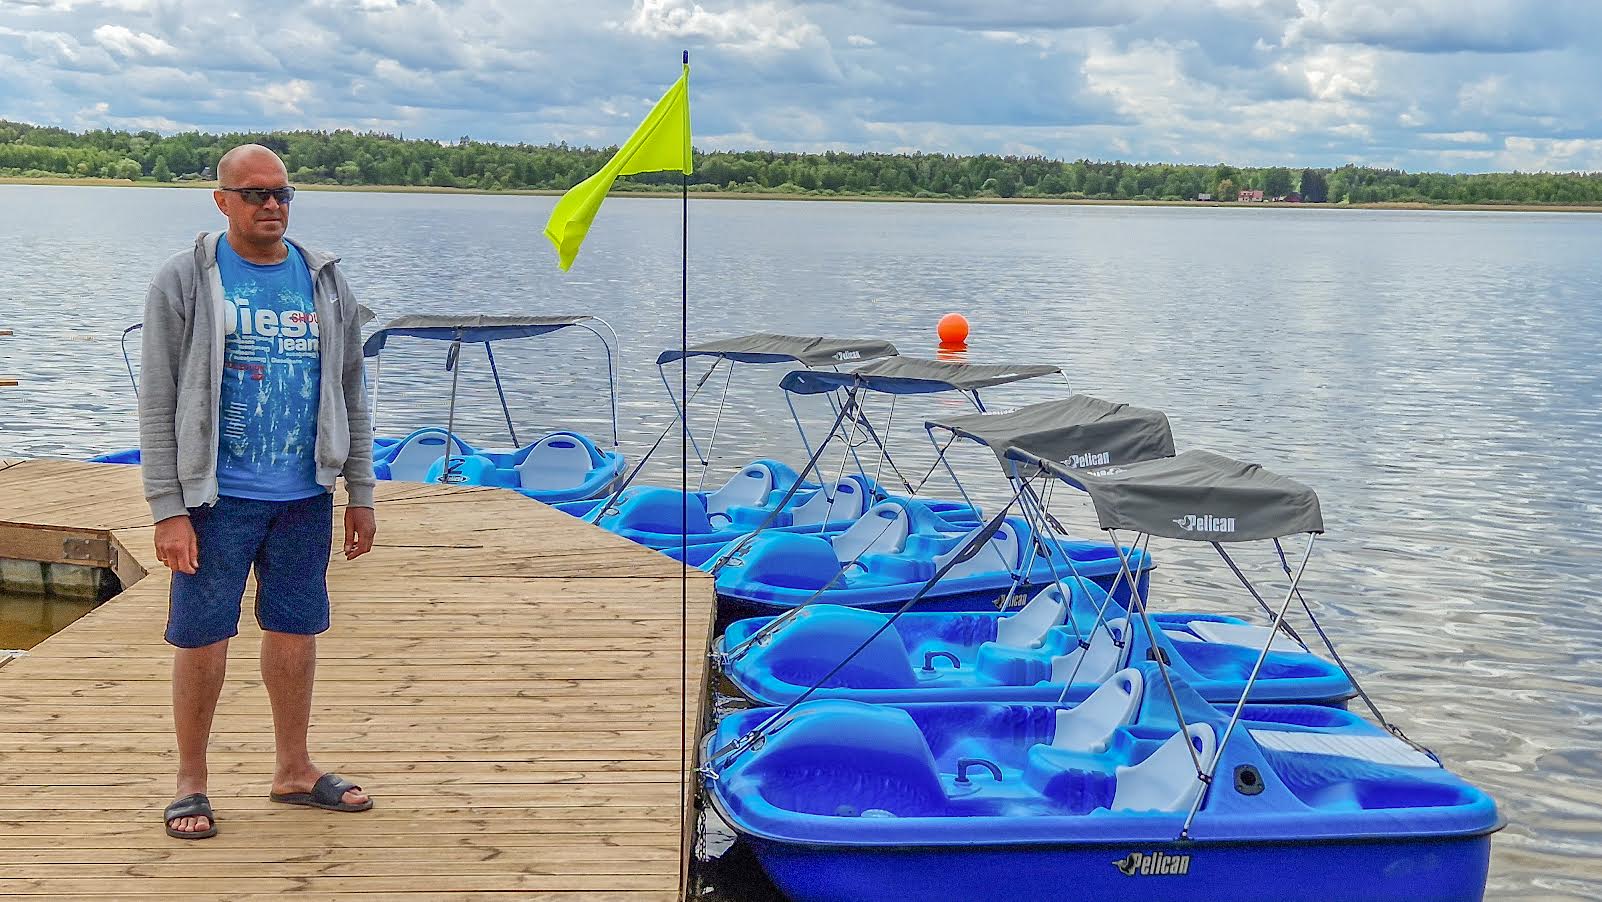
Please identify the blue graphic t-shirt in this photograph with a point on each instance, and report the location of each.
(271, 373)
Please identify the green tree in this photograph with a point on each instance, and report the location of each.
(1226, 190)
(1314, 189)
(160, 171)
(1276, 182)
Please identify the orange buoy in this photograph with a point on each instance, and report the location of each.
(953, 329)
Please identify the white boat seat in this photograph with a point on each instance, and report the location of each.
(845, 501)
(418, 452)
(748, 488)
(1101, 658)
(1376, 749)
(1166, 780)
(882, 530)
(557, 461)
(1242, 634)
(1028, 627)
(1089, 725)
(1000, 554)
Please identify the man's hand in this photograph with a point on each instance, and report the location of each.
(176, 545)
(360, 525)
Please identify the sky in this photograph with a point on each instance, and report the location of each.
(1453, 85)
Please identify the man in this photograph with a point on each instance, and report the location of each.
(251, 402)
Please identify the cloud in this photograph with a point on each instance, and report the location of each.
(1461, 84)
(126, 42)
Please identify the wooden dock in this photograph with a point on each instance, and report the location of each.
(503, 679)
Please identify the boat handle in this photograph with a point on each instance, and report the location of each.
(929, 657)
(964, 763)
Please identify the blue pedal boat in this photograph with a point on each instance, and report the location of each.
(1035, 654)
(1140, 792)
(655, 516)
(560, 466)
(887, 555)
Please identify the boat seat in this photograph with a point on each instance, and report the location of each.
(417, 452)
(846, 501)
(557, 461)
(1000, 554)
(882, 530)
(1242, 634)
(748, 488)
(1101, 658)
(1029, 626)
(1166, 780)
(1089, 725)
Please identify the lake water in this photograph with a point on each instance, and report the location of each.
(1433, 375)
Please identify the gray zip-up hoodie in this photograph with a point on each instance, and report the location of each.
(180, 382)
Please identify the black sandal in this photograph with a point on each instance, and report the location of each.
(193, 805)
(328, 794)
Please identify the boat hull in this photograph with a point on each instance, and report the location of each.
(1442, 869)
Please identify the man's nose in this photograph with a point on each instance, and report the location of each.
(271, 203)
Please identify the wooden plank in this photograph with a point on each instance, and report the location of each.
(505, 679)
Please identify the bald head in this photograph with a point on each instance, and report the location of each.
(256, 223)
(249, 159)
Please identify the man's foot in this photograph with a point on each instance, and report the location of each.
(327, 790)
(191, 817)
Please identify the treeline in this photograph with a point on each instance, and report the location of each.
(349, 158)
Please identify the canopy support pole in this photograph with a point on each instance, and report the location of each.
(712, 444)
(1207, 779)
(678, 408)
(1273, 625)
(450, 473)
(501, 393)
(378, 373)
(1156, 651)
(1351, 677)
(602, 509)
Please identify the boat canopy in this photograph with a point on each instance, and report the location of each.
(914, 376)
(1079, 431)
(1196, 495)
(471, 328)
(767, 347)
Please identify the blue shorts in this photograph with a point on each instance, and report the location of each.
(288, 542)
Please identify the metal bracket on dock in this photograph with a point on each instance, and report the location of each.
(86, 549)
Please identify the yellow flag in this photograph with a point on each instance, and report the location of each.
(662, 142)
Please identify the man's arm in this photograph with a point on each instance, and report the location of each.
(158, 436)
(360, 522)
(158, 404)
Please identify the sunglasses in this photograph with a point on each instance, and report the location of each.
(258, 196)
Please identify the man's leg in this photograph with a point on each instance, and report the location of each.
(197, 678)
(292, 608)
(202, 615)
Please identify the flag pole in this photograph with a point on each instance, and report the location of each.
(685, 762)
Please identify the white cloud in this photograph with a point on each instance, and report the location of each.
(1318, 82)
(126, 42)
(756, 26)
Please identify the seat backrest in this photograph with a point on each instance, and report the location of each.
(557, 461)
(748, 488)
(418, 451)
(1089, 725)
(1166, 780)
(1101, 658)
(1028, 627)
(882, 530)
(845, 501)
(1000, 554)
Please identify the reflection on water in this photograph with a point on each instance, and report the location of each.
(1432, 375)
(27, 620)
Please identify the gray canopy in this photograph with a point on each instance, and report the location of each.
(471, 328)
(1078, 431)
(914, 376)
(1195, 495)
(768, 347)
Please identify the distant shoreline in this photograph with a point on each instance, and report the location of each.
(858, 198)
